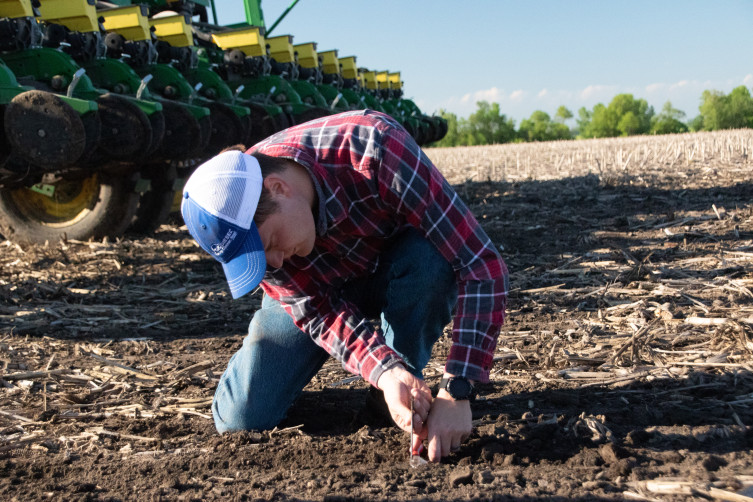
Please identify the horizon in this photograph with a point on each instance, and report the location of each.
(532, 57)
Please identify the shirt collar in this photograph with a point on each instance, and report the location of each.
(329, 209)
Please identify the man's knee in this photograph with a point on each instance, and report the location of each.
(237, 412)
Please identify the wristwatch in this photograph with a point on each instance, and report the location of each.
(459, 388)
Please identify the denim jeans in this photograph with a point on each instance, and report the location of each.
(413, 291)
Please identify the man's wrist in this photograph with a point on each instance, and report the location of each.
(457, 388)
(389, 371)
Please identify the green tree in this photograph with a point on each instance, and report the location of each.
(602, 125)
(669, 121)
(487, 126)
(721, 111)
(741, 107)
(540, 127)
(696, 124)
(562, 114)
(625, 116)
(583, 122)
(629, 124)
(713, 110)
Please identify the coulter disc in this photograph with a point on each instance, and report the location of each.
(262, 125)
(181, 132)
(126, 131)
(205, 134)
(227, 128)
(44, 130)
(157, 121)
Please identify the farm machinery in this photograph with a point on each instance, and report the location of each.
(108, 106)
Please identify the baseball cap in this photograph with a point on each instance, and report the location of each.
(218, 206)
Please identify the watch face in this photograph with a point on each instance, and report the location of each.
(459, 388)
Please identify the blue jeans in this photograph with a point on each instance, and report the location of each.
(413, 291)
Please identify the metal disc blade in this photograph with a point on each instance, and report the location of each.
(44, 130)
(126, 131)
(157, 121)
(262, 125)
(181, 131)
(227, 128)
(205, 128)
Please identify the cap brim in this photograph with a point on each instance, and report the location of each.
(245, 271)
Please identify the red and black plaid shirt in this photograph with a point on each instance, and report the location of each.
(372, 181)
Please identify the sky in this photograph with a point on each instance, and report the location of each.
(532, 55)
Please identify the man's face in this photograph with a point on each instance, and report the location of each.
(289, 231)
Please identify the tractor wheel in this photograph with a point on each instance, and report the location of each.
(181, 132)
(156, 203)
(126, 130)
(227, 128)
(44, 130)
(95, 206)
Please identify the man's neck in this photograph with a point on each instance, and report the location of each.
(300, 179)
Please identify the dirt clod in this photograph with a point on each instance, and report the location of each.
(461, 476)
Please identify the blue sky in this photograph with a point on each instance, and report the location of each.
(534, 55)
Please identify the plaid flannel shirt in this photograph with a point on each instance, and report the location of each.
(372, 180)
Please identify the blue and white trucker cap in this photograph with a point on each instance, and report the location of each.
(219, 202)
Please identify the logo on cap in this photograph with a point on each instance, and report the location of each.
(226, 241)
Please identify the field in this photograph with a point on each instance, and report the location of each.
(625, 370)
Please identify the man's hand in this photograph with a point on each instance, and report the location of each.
(398, 385)
(449, 424)
(446, 427)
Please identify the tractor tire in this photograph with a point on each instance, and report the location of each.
(156, 203)
(44, 130)
(82, 208)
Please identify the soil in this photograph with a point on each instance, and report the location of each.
(624, 369)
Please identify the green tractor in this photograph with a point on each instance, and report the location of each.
(108, 106)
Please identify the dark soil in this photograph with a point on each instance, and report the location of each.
(606, 386)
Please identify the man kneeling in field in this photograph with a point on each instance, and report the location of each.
(343, 220)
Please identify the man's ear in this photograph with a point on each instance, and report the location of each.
(276, 184)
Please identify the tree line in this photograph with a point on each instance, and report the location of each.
(623, 116)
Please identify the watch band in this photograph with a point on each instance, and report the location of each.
(459, 388)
